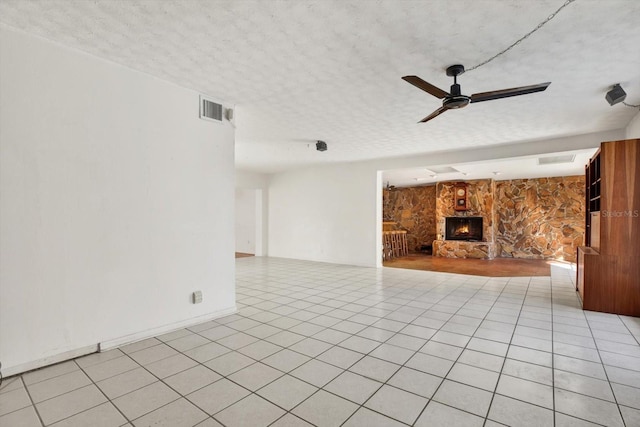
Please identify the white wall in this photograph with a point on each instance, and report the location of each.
(111, 208)
(333, 213)
(246, 220)
(324, 214)
(633, 128)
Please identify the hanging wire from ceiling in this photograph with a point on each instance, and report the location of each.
(631, 105)
(540, 25)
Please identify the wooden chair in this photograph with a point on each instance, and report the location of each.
(404, 246)
(387, 246)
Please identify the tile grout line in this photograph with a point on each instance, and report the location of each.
(35, 408)
(448, 294)
(404, 364)
(367, 354)
(104, 394)
(347, 369)
(606, 374)
(463, 348)
(515, 326)
(506, 285)
(554, 368)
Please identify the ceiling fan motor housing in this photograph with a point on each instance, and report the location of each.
(456, 99)
(453, 102)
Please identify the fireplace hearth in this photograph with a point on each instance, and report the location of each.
(468, 228)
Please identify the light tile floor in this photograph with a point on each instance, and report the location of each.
(330, 345)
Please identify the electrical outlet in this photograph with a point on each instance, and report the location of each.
(196, 297)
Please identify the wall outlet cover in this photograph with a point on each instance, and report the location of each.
(196, 297)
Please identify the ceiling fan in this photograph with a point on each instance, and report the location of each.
(455, 99)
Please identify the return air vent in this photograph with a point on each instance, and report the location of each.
(210, 110)
(442, 169)
(553, 160)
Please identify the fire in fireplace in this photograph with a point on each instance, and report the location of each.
(467, 228)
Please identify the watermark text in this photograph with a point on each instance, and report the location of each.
(621, 214)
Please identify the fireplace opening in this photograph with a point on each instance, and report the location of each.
(467, 228)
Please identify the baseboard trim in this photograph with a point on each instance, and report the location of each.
(114, 343)
(138, 336)
(50, 360)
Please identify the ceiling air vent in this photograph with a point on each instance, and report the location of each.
(210, 110)
(569, 158)
(442, 169)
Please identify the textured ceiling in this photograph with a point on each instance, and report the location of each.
(572, 163)
(299, 71)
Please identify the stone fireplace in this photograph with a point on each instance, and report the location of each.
(470, 233)
(468, 229)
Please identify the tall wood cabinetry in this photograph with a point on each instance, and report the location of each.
(609, 263)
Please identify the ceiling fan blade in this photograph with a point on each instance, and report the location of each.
(434, 114)
(505, 93)
(427, 87)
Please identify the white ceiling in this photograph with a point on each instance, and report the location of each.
(299, 71)
(499, 170)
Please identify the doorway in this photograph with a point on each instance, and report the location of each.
(249, 222)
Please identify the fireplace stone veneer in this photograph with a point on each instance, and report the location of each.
(462, 249)
(480, 195)
(464, 240)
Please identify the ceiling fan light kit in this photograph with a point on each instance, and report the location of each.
(454, 99)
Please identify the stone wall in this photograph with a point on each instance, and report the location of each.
(413, 208)
(525, 218)
(540, 218)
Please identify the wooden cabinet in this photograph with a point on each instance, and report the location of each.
(608, 273)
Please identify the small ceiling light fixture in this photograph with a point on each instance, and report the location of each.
(497, 173)
(321, 146)
(434, 176)
(615, 95)
(465, 173)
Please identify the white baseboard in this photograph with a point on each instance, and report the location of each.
(138, 336)
(50, 360)
(117, 342)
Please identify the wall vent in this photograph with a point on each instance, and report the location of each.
(553, 160)
(442, 169)
(210, 110)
